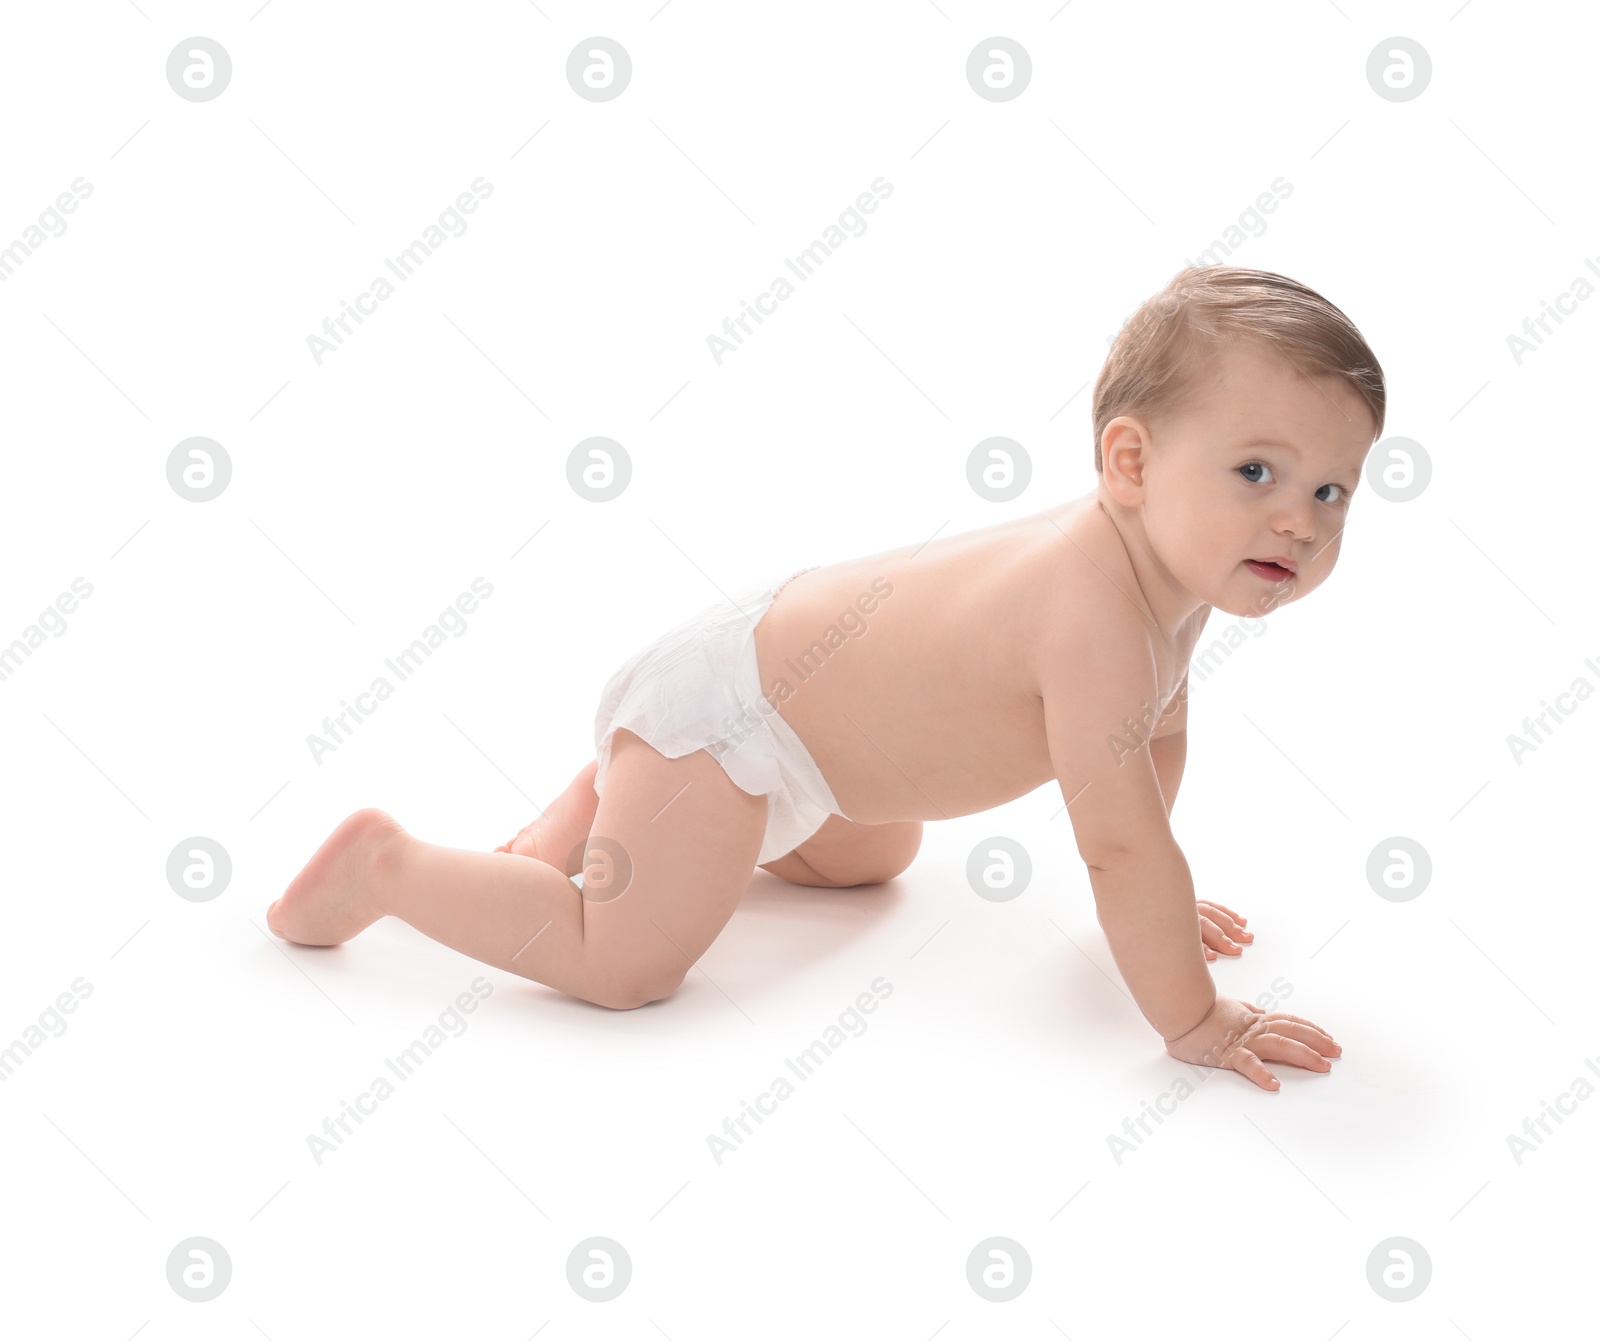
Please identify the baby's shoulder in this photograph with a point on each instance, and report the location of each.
(1089, 630)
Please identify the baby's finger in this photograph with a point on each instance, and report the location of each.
(1281, 1049)
(1224, 908)
(1226, 920)
(1279, 1015)
(1248, 1065)
(1308, 1034)
(1214, 936)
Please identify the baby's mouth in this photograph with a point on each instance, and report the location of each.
(1273, 572)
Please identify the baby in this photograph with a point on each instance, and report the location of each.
(811, 725)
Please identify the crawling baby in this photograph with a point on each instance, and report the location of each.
(811, 725)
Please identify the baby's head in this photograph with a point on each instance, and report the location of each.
(1231, 421)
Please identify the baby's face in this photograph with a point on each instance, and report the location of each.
(1258, 465)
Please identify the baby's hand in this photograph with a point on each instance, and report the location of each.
(1238, 1036)
(1217, 924)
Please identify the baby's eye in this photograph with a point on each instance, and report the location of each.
(1255, 465)
(1344, 494)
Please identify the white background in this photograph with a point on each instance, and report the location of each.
(369, 491)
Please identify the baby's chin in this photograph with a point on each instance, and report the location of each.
(1231, 601)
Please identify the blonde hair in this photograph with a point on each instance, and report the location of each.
(1157, 356)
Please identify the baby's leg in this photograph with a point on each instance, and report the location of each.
(844, 853)
(683, 840)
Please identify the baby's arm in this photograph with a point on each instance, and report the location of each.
(1169, 744)
(1222, 930)
(1143, 891)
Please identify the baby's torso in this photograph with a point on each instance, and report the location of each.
(912, 676)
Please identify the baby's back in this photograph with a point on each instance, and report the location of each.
(912, 675)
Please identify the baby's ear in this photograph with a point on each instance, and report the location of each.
(1124, 454)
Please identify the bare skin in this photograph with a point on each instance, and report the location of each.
(932, 681)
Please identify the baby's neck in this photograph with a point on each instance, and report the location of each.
(1164, 599)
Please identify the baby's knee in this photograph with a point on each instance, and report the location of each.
(902, 848)
(629, 986)
(864, 854)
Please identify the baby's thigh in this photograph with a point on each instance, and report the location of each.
(667, 860)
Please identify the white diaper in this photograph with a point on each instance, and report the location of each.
(698, 687)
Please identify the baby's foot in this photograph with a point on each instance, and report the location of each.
(334, 897)
(555, 835)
